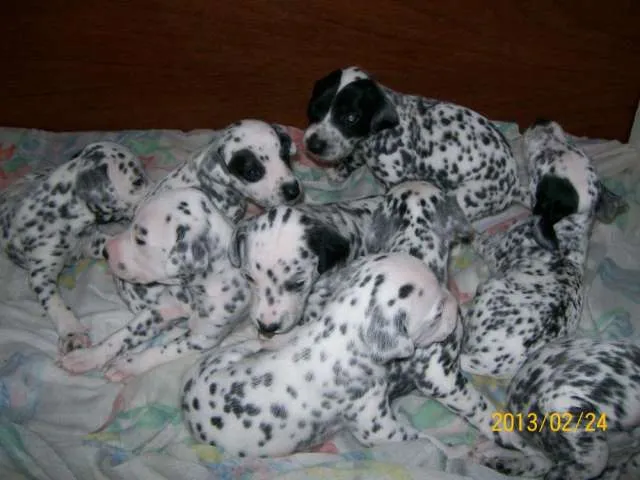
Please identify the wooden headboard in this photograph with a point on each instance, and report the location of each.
(121, 64)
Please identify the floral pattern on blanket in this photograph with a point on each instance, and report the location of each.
(136, 430)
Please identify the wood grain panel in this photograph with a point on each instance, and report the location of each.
(92, 64)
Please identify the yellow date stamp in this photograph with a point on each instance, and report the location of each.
(554, 422)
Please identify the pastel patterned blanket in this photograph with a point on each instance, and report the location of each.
(56, 426)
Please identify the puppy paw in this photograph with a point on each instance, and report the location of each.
(73, 341)
(509, 462)
(81, 360)
(337, 175)
(122, 368)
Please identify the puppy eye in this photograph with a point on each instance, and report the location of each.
(350, 118)
(252, 174)
(294, 286)
(138, 182)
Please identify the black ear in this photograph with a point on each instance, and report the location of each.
(238, 246)
(322, 95)
(93, 185)
(556, 198)
(287, 146)
(609, 205)
(386, 115)
(328, 245)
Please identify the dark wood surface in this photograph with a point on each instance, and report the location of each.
(120, 64)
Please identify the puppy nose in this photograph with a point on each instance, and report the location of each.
(291, 191)
(315, 144)
(268, 330)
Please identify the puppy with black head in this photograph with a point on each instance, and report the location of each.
(50, 219)
(354, 120)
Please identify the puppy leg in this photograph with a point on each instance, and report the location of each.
(372, 421)
(344, 169)
(443, 381)
(72, 335)
(510, 462)
(188, 343)
(144, 326)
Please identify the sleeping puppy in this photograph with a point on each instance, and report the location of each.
(562, 181)
(177, 243)
(50, 219)
(283, 251)
(576, 402)
(354, 120)
(331, 376)
(535, 290)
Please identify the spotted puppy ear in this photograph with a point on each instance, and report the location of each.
(209, 164)
(93, 186)
(386, 335)
(328, 245)
(386, 115)
(189, 255)
(238, 245)
(439, 322)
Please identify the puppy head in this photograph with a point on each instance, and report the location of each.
(174, 235)
(253, 158)
(346, 106)
(281, 253)
(111, 181)
(407, 308)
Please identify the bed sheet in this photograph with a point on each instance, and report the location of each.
(57, 426)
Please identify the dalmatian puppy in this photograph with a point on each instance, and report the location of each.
(283, 251)
(247, 160)
(419, 219)
(50, 219)
(562, 181)
(580, 404)
(354, 120)
(331, 376)
(422, 231)
(534, 294)
(178, 240)
(535, 291)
